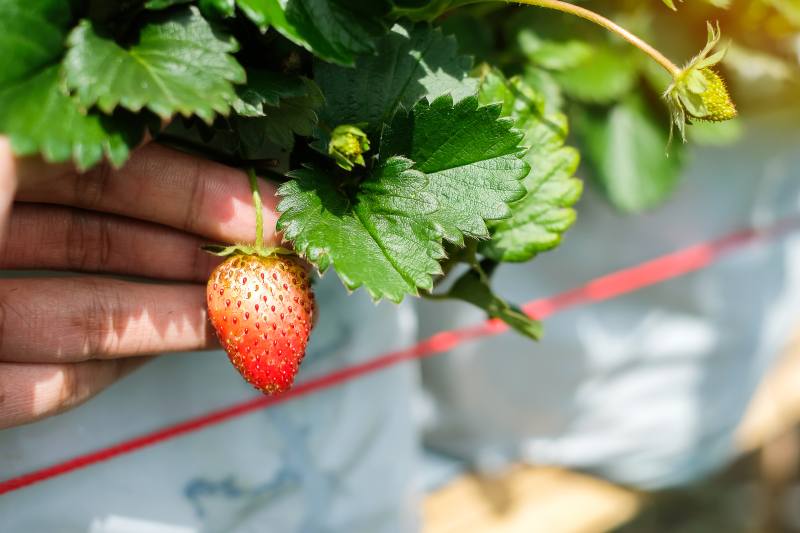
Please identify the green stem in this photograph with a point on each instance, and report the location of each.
(431, 296)
(259, 210)
(582, 12)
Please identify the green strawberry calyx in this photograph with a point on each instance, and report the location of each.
(245, 249)
(697, 91)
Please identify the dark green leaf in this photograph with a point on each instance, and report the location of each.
(474, 36)
(334, 30)
(413, 62)
(267, 88)
(280, 123)
(220, 141)
(31, 37)
(270, 110)
(178, 65)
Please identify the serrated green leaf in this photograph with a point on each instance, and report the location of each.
(40, 118)
(625, 146)
(179, 64)
(244, 146)
(334, 30)
(270, 110)
(380, 239)
(473, 288)
(412, 62)
(35, 111)
(267, 88)
(541, 217)
(389, 236)
(274, 108)
(470, 156)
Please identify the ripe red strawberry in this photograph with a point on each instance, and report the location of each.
(262, 310)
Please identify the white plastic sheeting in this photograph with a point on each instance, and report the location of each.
(646, 389)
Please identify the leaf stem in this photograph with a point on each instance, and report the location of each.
(432, 296)
(251, 174)
(582, 12)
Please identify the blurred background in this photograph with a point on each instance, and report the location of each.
(674, 408)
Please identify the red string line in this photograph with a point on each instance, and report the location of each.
(618, 283)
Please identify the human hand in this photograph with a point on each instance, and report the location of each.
(65, 338)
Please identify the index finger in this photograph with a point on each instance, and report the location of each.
(165, 186)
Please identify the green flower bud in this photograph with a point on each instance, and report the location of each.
(347, 146)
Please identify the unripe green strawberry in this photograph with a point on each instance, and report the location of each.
(262, 310)
(716, 98)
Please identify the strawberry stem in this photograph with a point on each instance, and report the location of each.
(251, 174)
(582, 12)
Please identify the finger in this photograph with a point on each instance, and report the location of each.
(8, 183)
(59, 238)
(164, 186)
(29, 392)
(59, 320)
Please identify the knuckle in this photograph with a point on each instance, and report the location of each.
(97, 321)
(89, 242)
(77, 236)
(104, 243)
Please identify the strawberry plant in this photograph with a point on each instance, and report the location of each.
(401, 161)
